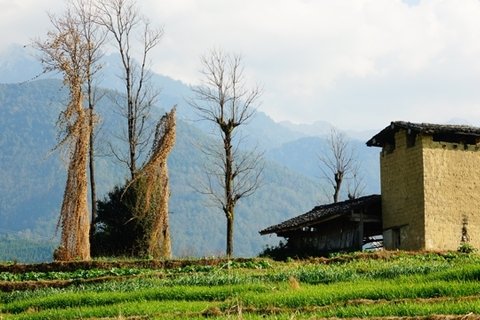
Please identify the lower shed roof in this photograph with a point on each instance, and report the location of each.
(370, 205)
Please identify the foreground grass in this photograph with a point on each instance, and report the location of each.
(388, 285)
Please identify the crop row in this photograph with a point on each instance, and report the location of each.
(307, 274)
(95, 273)
(78, 274)
(259, 296)
(404, 285)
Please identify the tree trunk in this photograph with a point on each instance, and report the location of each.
(230, 219)
(75, 242)
(93, 188)
(229, 196)
(338, 184)
(91, 155)
(132, 143)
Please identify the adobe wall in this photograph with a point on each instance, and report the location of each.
(452, 194)
(402, 195)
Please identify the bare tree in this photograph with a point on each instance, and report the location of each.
(66, 51)
(224, 100)
(338, 162)
(86, 13)
(124, 23)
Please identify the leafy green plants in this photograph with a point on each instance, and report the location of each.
(466, 247)
(353, 285)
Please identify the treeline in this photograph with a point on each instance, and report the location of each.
(13, 249)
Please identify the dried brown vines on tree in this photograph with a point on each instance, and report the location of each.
(74, 217)
(152, 190)
(85, 12)
(65, 51)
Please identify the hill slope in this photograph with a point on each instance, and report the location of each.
(33, 183)
(33, 178)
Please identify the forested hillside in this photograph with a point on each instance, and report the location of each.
(33, 178)
(33, 175)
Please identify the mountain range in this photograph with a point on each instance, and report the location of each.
(32, 174)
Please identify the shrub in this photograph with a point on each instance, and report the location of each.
(117, 231)
(466, 247)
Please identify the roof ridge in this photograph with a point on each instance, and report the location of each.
(453, 132)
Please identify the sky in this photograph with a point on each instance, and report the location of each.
(357, 64)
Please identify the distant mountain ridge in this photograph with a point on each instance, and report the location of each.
(323, 128)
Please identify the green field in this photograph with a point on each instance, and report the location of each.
(376, 285)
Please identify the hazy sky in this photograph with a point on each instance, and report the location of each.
(358, 64)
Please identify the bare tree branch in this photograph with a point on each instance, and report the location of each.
(123, 22)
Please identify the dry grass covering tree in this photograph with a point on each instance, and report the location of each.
(86, 14)
(152, 191)
(339, 164)
(125, 25)
(224, 100)
(66, 50)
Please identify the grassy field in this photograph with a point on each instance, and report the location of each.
(375, 285)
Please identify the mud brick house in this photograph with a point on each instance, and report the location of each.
(430, 195)
(430, 185)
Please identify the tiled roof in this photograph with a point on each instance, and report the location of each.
(457, 133)
(324, 211)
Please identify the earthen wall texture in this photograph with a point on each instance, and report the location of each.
(402, 193)
(431, 193)
(452, 194)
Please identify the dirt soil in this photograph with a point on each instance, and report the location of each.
(95, 264)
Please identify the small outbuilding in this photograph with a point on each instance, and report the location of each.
(341, 226)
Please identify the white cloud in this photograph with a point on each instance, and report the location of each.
(357, 63)
(23, 20)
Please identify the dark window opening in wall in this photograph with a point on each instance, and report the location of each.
(391, 238)
(411, 138)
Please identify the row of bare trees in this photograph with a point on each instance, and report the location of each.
(74, 48)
